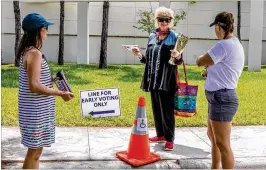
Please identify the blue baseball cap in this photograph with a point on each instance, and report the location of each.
(34, 22)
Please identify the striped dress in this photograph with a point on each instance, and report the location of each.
(36, 112)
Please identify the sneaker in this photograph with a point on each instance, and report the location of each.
(159, 139)
(169, 146)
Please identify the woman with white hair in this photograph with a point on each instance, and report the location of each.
(160, 77)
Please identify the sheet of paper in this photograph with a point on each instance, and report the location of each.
(129, 47)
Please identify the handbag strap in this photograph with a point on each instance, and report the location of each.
(185, 71)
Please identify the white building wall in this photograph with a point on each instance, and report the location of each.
(122, 17)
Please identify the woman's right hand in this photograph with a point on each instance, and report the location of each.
(136, 51)
(204, 72)
(66, 96)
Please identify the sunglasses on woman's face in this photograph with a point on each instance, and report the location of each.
(168, 20)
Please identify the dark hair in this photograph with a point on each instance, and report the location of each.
(226, 21)
(29, 39)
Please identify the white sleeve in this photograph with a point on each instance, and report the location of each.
(217, 53)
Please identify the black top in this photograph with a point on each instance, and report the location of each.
(159, 74)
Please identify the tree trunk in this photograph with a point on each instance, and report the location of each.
(61, 34)
(239, 20)
(103, 53)
(17, 29)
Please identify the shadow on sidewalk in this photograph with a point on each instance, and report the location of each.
(11, 149)
(183, 150)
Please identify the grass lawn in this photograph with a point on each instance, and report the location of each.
(251, 91)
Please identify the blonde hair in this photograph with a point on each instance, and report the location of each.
(164, 12)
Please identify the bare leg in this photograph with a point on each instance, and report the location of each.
(32, 159)
(216, 155)
(222, 132)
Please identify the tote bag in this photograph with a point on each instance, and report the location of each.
(185, 96)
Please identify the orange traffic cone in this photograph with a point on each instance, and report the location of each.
(138, 152)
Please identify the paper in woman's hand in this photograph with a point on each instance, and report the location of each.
(129, 47)
(181, 43)
(61, 82)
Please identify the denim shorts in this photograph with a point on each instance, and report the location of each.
(222, 104)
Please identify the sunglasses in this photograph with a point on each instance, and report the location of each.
(168, 20)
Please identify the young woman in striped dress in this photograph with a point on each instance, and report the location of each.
(36, 99)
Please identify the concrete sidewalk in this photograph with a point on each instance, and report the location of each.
(95, 148)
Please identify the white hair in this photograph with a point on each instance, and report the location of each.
(164, 12)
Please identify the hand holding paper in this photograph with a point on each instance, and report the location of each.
(181, 43)
(136, 52)
(61, 82)
(66, 96)
(129, 47)
(134, 49)
(176, 54)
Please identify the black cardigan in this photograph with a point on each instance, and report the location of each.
(165, 73)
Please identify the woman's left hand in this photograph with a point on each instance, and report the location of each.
(176, 54)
